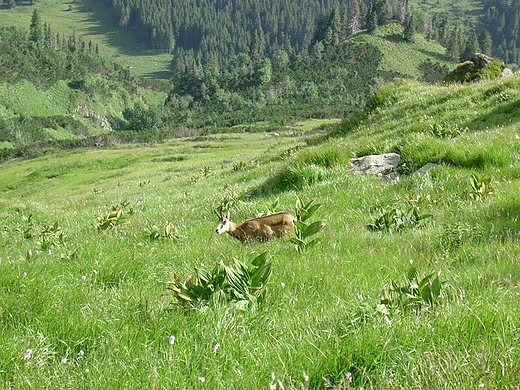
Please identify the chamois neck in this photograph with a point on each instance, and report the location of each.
(232, 227)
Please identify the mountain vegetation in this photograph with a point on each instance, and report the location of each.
(73, 93)
(111, 273)
(60, 89)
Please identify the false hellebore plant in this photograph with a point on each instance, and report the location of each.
(240, 285)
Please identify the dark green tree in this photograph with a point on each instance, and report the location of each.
(371, 20)
(48, 36)
(321, 29)
(471, 47)
(384, 12)
(455, 44)
(409, 28)
(125, 15)
(35, 29)
(256, 49)
(334, 26)
(484, 41)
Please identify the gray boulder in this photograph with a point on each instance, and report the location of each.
(383, 166)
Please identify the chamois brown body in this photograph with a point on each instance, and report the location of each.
(263, 228)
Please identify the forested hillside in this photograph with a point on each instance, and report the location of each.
(328, 81)
(502, 20)
(205, 30)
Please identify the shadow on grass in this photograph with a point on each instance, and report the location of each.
(504, 114)
(503, 220)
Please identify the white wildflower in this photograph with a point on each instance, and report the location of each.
(27, 354)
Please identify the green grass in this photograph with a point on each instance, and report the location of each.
(465, 11)
(400, 57)
(98, 299)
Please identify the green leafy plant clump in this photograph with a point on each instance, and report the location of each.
(480, 187)
(415, 295)
(398, 218)
(114, 217)
(243, 286)
(304, 230)
(168, 232)
(47, 236)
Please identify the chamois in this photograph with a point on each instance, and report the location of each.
(263, 228)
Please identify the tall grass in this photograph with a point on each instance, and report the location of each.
(93, 311)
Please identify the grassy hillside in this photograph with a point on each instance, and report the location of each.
(467, 12)
(90, 305)
(93, 21)
(402, 58)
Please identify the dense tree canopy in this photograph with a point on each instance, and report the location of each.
(502, 20)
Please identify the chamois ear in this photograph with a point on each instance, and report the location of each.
(227, 216)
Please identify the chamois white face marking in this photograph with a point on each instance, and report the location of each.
(223, 224)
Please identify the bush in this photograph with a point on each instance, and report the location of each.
(141, 118)
(416, 294)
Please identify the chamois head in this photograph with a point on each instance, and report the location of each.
(223, 222)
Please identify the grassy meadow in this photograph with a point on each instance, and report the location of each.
(87, 307)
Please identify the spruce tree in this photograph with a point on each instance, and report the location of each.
(409, 28)
(485, 42)
(383, 10)
(471, 47)
(455, 45)
(256, 49)
(334, 25)
(371, 20)
(36, 32)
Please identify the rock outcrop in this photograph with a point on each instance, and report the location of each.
(477, 68)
